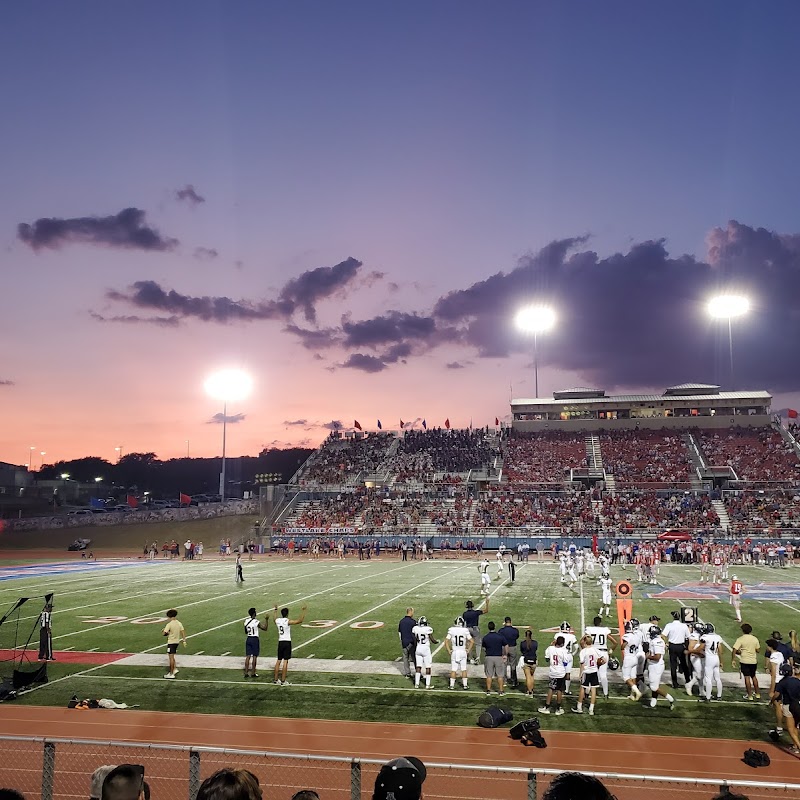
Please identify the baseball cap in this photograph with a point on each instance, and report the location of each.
(777, 636)
(400, 779)
(98, 776)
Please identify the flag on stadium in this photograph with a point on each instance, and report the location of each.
(424, 424)
(185, 500)
(447, 423)
(401, 424)
(380, 427)
(96, 502)
(496, 422)
(132, 501)
(357, 425)
(791, 413)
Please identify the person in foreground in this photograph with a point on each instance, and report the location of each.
(576, 786)
(230, 784)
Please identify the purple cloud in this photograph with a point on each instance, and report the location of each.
(189, 195)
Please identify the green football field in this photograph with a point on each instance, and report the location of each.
(353, 611)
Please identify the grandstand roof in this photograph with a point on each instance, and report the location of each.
(692, 388)
(643, 398)
(579, 391)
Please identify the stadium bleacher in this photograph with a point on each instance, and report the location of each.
(754, 455)
(543, 457)
(637, 456)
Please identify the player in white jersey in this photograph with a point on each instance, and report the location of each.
(711, 644)
(573, 578)
(458, 643)
(580, 562)
(590, 562)
(605, 586)
(696, 660)
(656, 652)
(604, 563)
(562, 566)
(570, 645)
(423, 635)
(486, 580)
(501, 562)
(631, 649)
(601, 639)
(590, 659)
(283, 624)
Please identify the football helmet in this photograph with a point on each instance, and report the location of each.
(604, 575)
(565, 627)
(699, 627)
(628, 626)
(634, 623)
(709, 628)
(655, 632)
(422, 621)
(460, 622)
(613, 663)
(734, 578)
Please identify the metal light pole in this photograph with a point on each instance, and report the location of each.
(226, 385)
(728, 306)
(535, 319)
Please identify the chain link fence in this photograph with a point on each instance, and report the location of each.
(61, 769)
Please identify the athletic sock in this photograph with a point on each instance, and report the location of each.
(466, 685)
(416, 679)
(427, 680)
(670, 698)
(591, 708)
(653, 702)
(452, 683)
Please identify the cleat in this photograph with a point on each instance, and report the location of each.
(170, 675)
(559, 712)
(543, 710)
(591, 712)
(577, 711)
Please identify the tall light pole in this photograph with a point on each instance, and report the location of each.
(30, 457)
(118, 448)
(187, 448)
(42, 454)
(728, 306)
(535, 319)
(227, 385)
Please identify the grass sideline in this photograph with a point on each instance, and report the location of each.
(123, 608)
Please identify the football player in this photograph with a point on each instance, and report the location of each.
(590, 659)
(631, 649)
(423, 634)
(570, 645)
(736, 590)
(710, 646)
(486, 581)
(655, 667)
(605, 585)
(601, 638)
(696, 659)
(458, 643)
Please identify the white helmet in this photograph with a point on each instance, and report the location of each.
(734, 578)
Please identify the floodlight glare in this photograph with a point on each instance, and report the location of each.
(229, 385)
(727, 306)
(535, 319)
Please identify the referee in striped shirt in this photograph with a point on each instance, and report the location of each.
(46, 634)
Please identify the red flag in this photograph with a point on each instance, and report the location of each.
(357, 425)
(401, 424)
(791, 413)
(185, 500)
(496, 422)
(447, 423)
(132, 501)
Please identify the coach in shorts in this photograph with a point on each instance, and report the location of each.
(494, 660)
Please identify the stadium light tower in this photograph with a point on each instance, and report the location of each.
(227, 385)
(727, 307)
(535, 319)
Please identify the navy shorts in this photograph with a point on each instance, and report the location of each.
(172, 648)
(284, 651)
(252, 646)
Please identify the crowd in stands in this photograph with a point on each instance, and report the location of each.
(760, 509)
(421, 453)
(645, 456)
(650, 510)
(543, 457)
(339, 458)
(547, 510)
(755, 455)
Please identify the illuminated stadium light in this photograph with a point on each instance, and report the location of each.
(227, 385)
(727, 306)
(535, 319)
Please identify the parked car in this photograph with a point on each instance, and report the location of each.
(79, 544)
(80, 512)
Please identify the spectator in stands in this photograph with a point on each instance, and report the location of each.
(125, 782)
(98, 776)
(305, 794)
(230, 784)
(400, 779)
(576, 786)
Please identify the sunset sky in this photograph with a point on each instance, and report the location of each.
(351, 199)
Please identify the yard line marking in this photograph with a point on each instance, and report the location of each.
(67, 648)
(788, 606)
(121, 650)
(367, 658)
(338, 657)
(92, 649)
(310, 655)
(368, 611)
(164, 610)
(198, 653)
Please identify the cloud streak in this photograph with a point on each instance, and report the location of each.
(189, 195)
(4, 382)
(230, 419)
(126, 230)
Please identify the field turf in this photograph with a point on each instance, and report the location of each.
(120, 606)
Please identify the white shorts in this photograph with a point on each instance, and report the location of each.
(485, 579)
(606, 598)
(630, 668)
(697, 665)
(423, 658)
(735, 600)
(458, 661)
(654, 676)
